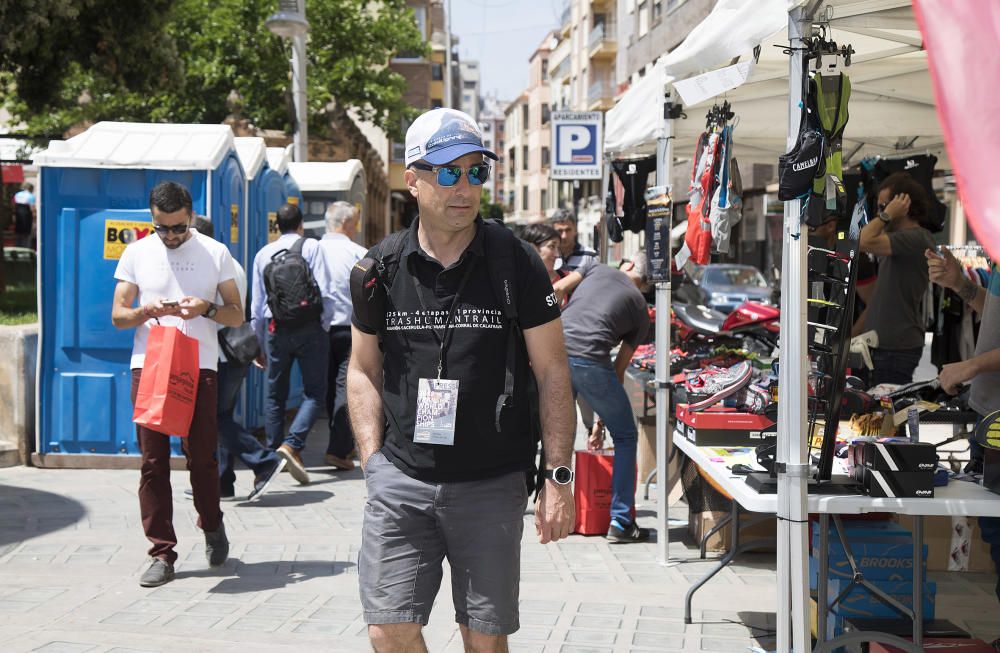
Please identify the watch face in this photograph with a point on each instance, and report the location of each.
(562, 475)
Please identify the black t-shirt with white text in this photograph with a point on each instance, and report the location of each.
(476, 356)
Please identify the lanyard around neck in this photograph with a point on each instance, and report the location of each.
(443, 340)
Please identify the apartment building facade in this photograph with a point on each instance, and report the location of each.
(529, 143)
(492, 125)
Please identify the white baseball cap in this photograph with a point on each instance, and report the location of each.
(440, 136)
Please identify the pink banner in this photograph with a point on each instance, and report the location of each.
(962, 39)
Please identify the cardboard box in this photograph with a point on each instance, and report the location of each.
(723, 427)
(647, 459)
(953, 544)
(700, 523)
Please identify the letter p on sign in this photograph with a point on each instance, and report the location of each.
(576, 145)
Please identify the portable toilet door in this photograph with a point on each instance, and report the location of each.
(324, 182)
(93, 201)
(279, 158)
(266, 194)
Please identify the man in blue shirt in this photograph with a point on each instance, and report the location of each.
(340, 253)
(284, 345)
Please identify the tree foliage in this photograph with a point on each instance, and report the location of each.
(208, 49)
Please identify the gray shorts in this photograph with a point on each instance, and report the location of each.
(410, 526)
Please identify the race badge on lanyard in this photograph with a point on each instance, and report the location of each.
(437, 406)
(437, 399)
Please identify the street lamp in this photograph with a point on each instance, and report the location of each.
(289, 22)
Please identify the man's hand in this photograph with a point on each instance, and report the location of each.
(944, 269)
(954, 374)
(261, 361)
(157, 309)
(192, 307)
(595, 440)
(898, 207)
(554, 512)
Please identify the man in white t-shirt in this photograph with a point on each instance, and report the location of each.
(175, 276)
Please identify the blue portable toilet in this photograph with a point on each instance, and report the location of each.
(265, 192)
(93, 201)
(279, 158)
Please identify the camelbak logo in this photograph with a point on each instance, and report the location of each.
(926, 466)
(886, 563)
(805, 165)
(506, 291)
(910, 163)
(924, 493)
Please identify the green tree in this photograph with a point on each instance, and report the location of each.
(488, 209)
(223, 46)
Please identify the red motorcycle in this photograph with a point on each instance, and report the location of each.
(751, 326)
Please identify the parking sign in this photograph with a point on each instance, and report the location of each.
(577, 141)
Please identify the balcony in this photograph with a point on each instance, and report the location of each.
(561, 71)
(600, 96)
(601, 45)
(601, 6)
(566, 21)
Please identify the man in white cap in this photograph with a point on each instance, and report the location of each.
(439, 394)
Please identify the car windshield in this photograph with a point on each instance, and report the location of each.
(733, 276)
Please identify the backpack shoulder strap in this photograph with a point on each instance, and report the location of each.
(297, 247)
(389, 252)
(500, 244)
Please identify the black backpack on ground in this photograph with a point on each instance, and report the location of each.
(371, 281)
(292, 293)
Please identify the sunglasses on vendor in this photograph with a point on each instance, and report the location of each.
(448, 176)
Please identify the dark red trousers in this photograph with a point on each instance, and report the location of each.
(200, 448)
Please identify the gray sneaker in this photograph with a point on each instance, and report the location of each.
(217, 547)
(159, 573)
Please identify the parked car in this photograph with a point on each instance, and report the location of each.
(724, 286)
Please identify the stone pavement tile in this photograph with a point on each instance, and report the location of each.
(214, 608)
(187, 622)
(601, 608)
(65, 647)
(534, 605)
(321, 627)
(255, 624)
(725, 629)
(538, 619)
(659, 641)
(118, 649)
(591, 637)
(16, 607)
(594, 578)
(525, 647)
(541, 578)
(646, 625)
(727, 645)
(532, 633)
(352, 601)
(336, 614)
(35, 593)
(130, 619)
(153, 606)
(600, 623)
(660, 612)
(174, 593)
(574, 648)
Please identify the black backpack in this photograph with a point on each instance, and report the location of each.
(372, 278)
(292, 293)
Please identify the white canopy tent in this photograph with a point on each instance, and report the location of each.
(891, 112)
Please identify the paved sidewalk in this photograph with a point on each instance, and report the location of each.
(72, 550)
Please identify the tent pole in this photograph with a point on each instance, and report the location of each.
(793, 473)
(664, 155)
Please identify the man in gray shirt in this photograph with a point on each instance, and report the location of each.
(605, 309)
(897, 236)
(983, 369)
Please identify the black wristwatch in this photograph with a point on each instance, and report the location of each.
(884, 217)
(562, 475)
(211, 311)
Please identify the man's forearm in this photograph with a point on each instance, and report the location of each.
(986, 362)
(364, 408)
(128, 317)
(230, 315)
(873, 229)
(558, 416)
(972, 294)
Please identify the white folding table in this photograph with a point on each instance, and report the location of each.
(958, 498)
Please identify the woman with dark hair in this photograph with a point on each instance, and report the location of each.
(898, 237)
(546, 241)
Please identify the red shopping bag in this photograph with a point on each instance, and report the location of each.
(592, 491)
(168, 385)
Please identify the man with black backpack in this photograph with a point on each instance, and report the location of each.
(454, 321)
(290, 319)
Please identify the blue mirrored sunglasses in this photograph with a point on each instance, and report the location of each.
(449, 175)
